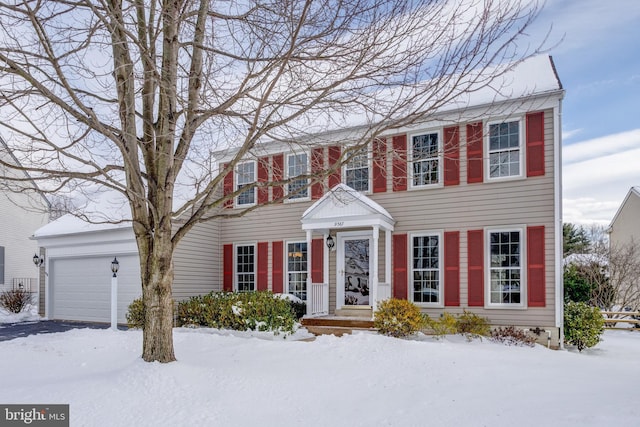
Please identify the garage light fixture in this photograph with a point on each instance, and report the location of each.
(38, 260)
(115, 265)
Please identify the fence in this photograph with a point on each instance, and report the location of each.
(612, 318)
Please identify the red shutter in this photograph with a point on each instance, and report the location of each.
(228, 187)
(317, 165)
(263, 176)
(475, 240)
(277, 169)
(227, 268)
(400, 266)
(317, 260)
(452, 268)
(451, 156)
(535, 144)
(379, 166)
(263, 266)
(535, 266)
(334, 157)
(474, 153)
(277, 277)
(399, 162)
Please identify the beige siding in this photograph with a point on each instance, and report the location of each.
(519, 202)
(197, 262)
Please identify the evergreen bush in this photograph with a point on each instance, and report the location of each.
(135, 314)
(261, 311)
(583, 325)
(445, 325)
(472, 326)
(398, 318)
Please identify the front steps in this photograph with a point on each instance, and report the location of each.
(338, 325)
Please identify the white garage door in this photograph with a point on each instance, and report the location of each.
(81, 287)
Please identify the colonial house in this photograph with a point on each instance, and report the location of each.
(21, 213)
(625, 227)
(461, 212)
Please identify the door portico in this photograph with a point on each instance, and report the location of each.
(354, 221)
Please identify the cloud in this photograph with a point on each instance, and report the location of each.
(567, 134)
(597, 174)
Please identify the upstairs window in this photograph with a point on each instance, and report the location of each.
(297, 164)
(505, 149)
(357, 171)
(425, 159)
(245, 176)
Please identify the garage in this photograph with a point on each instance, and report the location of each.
(80, 287)
(78, 275)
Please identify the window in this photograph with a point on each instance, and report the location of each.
(357, 171)
(425, 269)
(504, 149)
(297, 269)
(505, 267)
(425, 158)
(245, 268)
(296, 166)
(246, 175)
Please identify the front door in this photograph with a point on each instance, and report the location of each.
(353, 270)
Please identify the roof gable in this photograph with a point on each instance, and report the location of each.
(633, 192)
(344, 207)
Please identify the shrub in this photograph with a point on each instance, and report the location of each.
(299, 308)
(262, 311)
(583, 325)
(135, 314)
(445, 325)
(15, 300)
(510, 335)
(398, 318)
(471, 325)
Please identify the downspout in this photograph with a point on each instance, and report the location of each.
(558, 219)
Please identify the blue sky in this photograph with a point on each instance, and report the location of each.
(598, 62)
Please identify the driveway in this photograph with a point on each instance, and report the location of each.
(9, 331)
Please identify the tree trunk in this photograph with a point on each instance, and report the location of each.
(157, 279)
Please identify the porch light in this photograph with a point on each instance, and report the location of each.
(38, 260)
(115, 265)
(330, 242)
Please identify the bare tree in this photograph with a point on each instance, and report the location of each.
(137, 96)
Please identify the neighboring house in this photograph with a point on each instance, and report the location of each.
(21, 213)
(461, 212)
(625, 226)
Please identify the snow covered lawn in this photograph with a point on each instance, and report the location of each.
(358, 380)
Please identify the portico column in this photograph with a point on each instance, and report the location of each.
(387, 258)
(373, 288)
(309, 279)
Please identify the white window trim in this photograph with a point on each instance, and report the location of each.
(286, 265)
(369, 170)
(255, 265)
(440, 156)
(523, 267)
(521, 142)
(286, 174)
(440, 234)
(236, 183)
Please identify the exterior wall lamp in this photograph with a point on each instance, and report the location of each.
(330, 242)
(38, 260)
(115, 265)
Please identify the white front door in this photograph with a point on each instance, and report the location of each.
(353, 267)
